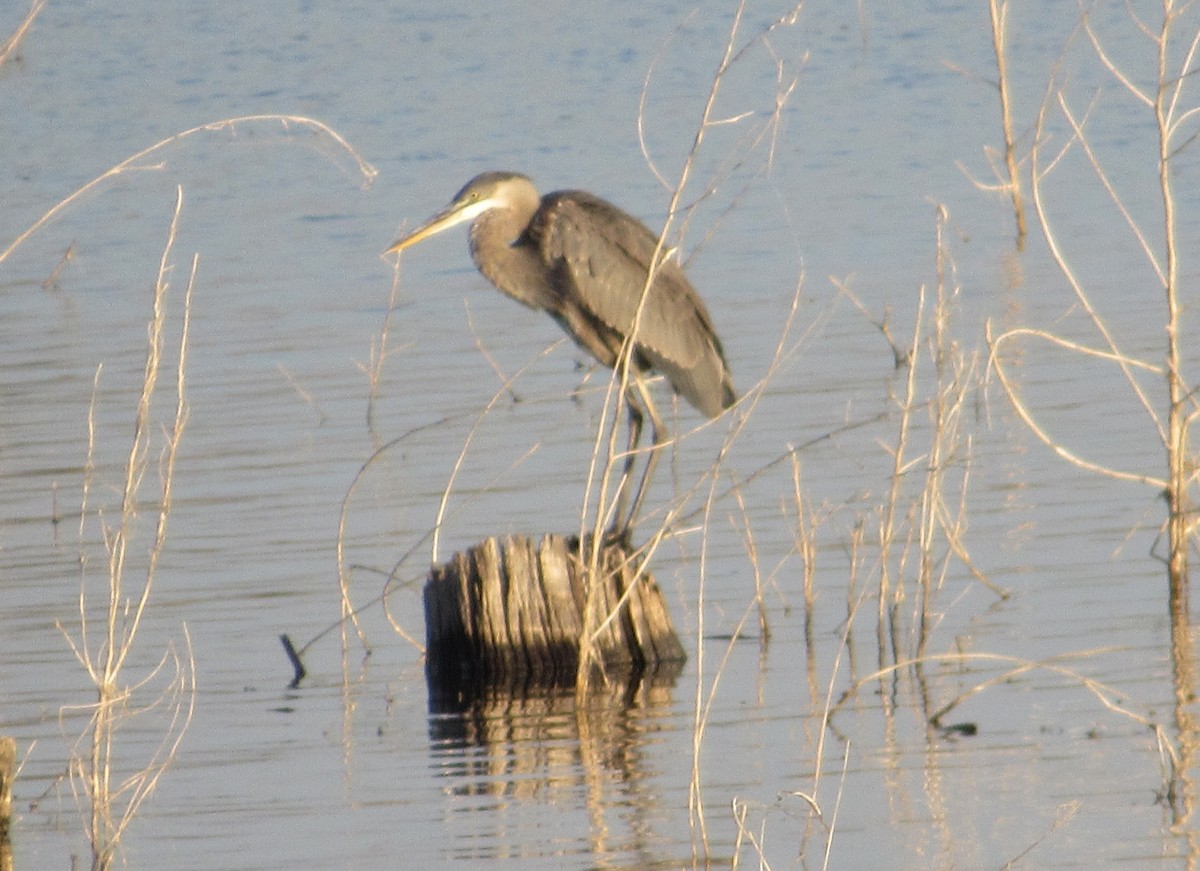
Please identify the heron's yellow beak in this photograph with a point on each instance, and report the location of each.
(435, 225)
(454, 214)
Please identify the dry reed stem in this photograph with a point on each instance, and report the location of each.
(379, 352)
(837, 804)
(106, 828)
(999, 19)
(670, 526)
(955, 375)
(699, 717)
(1178, 452)
(1100, 691)
(105, 662)
(481, 346)
(619, 383)
(751, 548)
(757, 841)
(891, 589)
(805, 544)
(1102, 176)
(504, 389)
(1066, 813)
(11, 44)
(996, 364)
(812, 797)
(920, 534)
(1162, 259)
(349, 611)
(641, 110)
(605, 455)
(740, 810)
(373, 369)
(1172, 432)
(1048, 234)
(677, 523)
(304, 393)
(748, 403)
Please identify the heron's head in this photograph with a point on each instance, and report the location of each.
(487, 191)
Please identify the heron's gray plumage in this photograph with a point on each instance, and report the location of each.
(584, 261)
(600, 257)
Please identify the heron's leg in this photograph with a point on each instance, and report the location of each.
(646, 404)
(620, 527)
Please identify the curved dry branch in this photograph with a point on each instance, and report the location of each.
(1109, 189)
(1115, 71)
(349, 612)
(1186, 69)
(1027, 417)
(503, 389)
(367, 171)
(1104, 694)
(641, 110)
(1060, 260)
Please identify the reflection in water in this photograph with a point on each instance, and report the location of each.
(1180, 791)
(539, 743)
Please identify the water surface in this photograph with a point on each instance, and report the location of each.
(890, 113)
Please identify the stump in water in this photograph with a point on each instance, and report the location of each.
(8, 767)
(511, 610)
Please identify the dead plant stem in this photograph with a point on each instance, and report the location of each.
(999, 16)
(1177, 448)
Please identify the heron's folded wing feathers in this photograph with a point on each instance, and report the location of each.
(606, 254)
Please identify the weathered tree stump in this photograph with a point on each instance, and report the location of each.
(8, 768)
(511, 611)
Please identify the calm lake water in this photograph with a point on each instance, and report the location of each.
(886, 115)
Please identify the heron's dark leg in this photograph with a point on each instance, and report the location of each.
(620, 525)
(647, 405)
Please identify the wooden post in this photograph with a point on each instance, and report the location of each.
(510, 610)
(8, 769)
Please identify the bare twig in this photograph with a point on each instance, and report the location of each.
(136, 162)
(113, 805)
(999, 18)
(10, 45)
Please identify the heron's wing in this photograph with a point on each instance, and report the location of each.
(606, 254)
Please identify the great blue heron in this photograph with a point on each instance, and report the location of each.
(584, 262)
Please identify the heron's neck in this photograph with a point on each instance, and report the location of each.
(510, 264)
